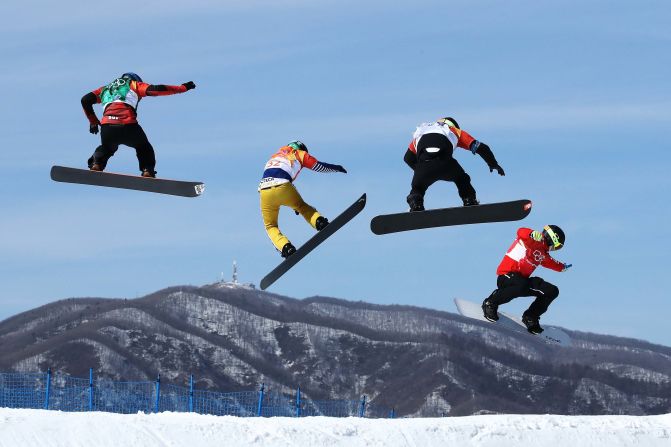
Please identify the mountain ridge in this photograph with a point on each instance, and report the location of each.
(417, 360)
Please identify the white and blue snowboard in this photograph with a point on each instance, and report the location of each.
(550, 335)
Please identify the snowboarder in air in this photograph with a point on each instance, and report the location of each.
(120, 99)
(528, 251)
(430, 156)
(276, 189)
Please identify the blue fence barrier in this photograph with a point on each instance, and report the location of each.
(66, 393)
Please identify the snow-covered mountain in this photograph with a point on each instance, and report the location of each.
(418, 361)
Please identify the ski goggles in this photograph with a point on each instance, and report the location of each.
(556, 243)
(451, 124)
(446, 121)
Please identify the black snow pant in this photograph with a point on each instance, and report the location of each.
(112, 135)
(513, 285)
(437, 165)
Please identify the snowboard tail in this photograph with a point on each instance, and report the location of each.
(550, 335)
(123, 181)
(314, 241)
(463, 215)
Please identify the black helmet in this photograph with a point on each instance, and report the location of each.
(449, 120)
(298, 145)
(132, 76)
(553, 236)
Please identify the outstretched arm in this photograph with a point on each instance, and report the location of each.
(466, 141)
(480, 148)
(552, 264)
(311, 162)
(145, 89)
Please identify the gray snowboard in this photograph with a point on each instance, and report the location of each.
(550, 335)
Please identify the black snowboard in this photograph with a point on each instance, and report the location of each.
(157, 185)
(490, 212)
(314, 241)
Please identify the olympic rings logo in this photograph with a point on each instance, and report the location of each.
(118, 82)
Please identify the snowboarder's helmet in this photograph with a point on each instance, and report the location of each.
(449, 121)
(298, 145)
(132, 76)
(554, 237)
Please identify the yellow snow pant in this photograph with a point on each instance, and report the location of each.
(283, 195)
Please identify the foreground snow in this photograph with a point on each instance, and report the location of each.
(27, 428)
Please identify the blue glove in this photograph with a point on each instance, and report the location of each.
(567, 266)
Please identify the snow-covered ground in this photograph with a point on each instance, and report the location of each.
(26, 428)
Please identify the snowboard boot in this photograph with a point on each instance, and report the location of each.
(490, 310)
(415, 202)
(149, 173)
(321, 223)
(96, 167)
(288, 250)
(532, 323)
(470, 201)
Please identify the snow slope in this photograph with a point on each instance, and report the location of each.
(27, 428)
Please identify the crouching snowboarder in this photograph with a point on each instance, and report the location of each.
(119, 125)
(527, 252)
(430, 156)
(276, 189)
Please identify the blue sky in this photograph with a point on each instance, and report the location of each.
(573, 98)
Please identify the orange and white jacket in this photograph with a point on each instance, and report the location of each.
(285, 165)
(458, 138)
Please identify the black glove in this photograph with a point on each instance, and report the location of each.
(93, 128)
(480, 148)
(410, 158)
(341, 169)
(498, 168)
(189, 85)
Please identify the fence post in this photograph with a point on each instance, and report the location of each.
(48, 391)
(362, 407)
(90, 389)
(259, 408)
(158, 392)
(191, 394)
(298, 401)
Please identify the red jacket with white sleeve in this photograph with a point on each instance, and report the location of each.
(525, 254)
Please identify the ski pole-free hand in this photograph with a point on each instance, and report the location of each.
(567, 266)
(498, 169)
(189, 85)
(93, 128)
(480, 148)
